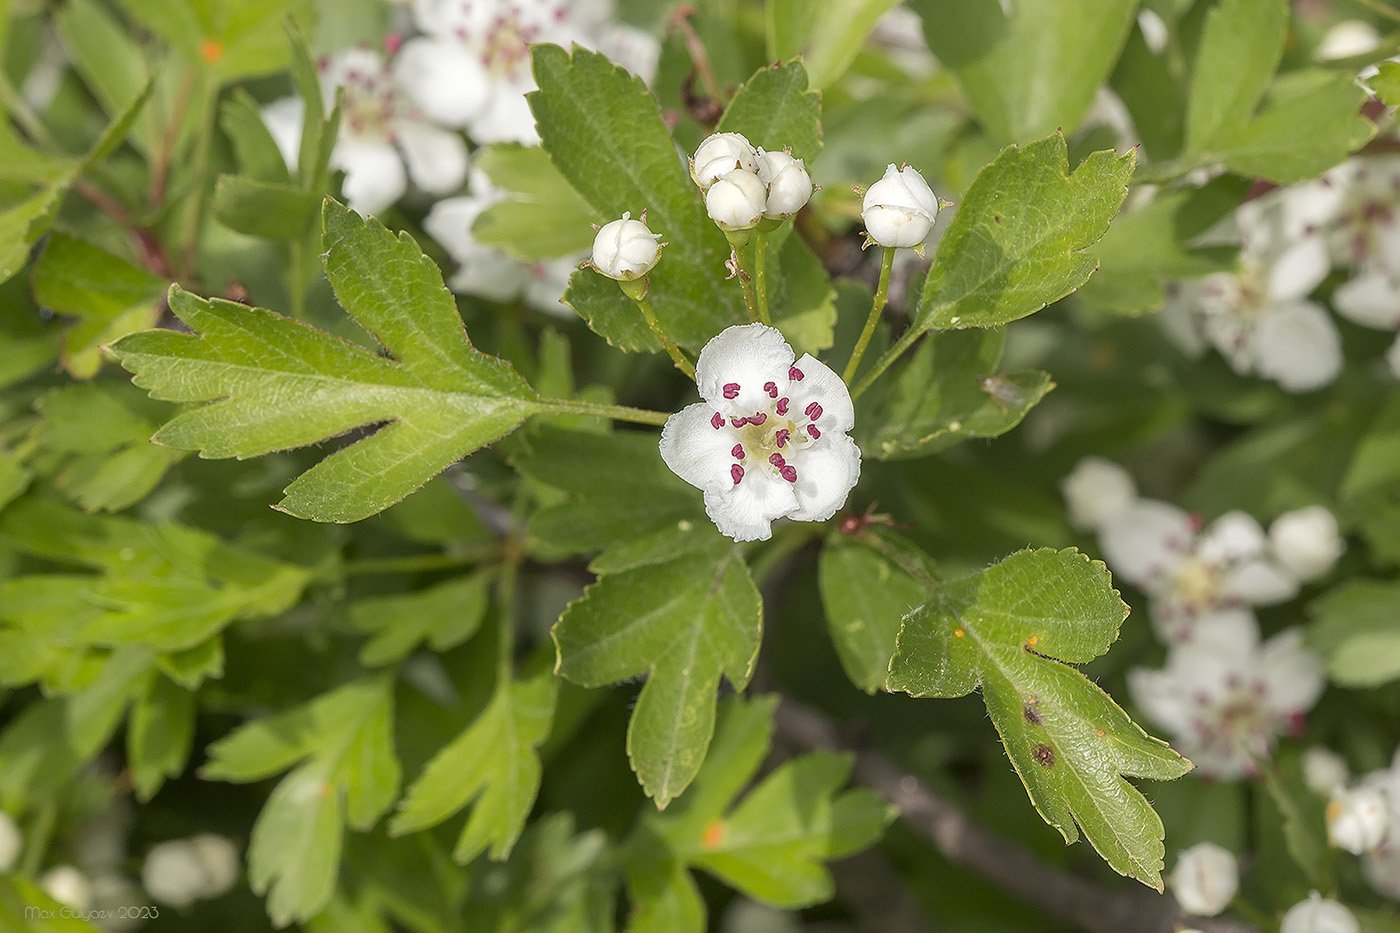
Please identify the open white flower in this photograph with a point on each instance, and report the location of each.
(380, 133)
(1205, 879)
(1095, 491)
(1359, 818)
(1318, 914)
(899, 209)
(769, 440)
(1225, 698)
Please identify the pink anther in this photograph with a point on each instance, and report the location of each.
(795, 374)
(812, 430)
(788, 473)
(758, 418)
(813, 411)
(782, 406)
(776, 460)
(737, 472)
(782, 436)
(717, 421)
(771, 388)
(738, 452)
(731, 390)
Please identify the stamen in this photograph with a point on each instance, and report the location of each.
(717, 421)
(782, 436)
(731, 390)
(737, 472)
(788, 473)
(812, 430)
(795, 374)
(758, 418)
(738, 422)
(782, 406)
(738, 452)
(771, 388)
(776, 460)
(813, 411)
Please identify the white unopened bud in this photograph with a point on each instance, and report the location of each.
(1306, 541)
(898, 210)
(1095, 491)
(1357, 819)
(1205, 879)
(789, 185)
(11, 842)
(625, 249)
(1318, 915)
(183, 871)
(736, 201)
(718, 155)
(1324, 771)
(68, 886)
(1347, 38)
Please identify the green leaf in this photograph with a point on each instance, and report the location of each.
(159, 736)
(604, 131)
(949, 390)
(542, 217)
(19, 899)
(770, 842)
(1028, 68)
(1015, 630)
(1303, 831)
(234, 40)
(774, 109)
(275, 210)
(828, 36)
(1240, 48)
(13, 479)
(1354, 629)
(255, 151)
(348, 773)
(1386, 83)
(868, 582)
(443, 616)
(1018, 238)
(683, 623)
(93, 713)
(272, 383)
(493, 765)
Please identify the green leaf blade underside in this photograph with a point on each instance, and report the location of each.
(272, 383)
(605, 133)
(683, 623)
(1354, 629)
(775, 110)
(1014, 630)
(1017, 241)
(1240, 48)
(1033, 69)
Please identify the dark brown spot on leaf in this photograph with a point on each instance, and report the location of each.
(1044, 755)
(1031, 715)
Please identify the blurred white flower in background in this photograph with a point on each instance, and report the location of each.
(1205, 879)
(182, 871)
(1319, 915)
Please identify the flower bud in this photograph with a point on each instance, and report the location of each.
(625, 249)
(1095, 491)
(898, 210)
(1306, 541)
(1318, 915)
(1205, 879)
(736, 201)
(11, 842)
(183, 871)
(1324, 771)
(718, 155)
(1357, 819)
(789, 185)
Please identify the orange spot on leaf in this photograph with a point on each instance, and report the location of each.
(958, 633)
(211, 50)
(1033, 639)
(714, 834)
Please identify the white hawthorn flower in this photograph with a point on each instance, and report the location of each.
(1358, 819)
(488, 272)
(380, 133)
(1095, 491)
(899, 209)
(1225, 698)
(183, 871)
(737, 201)
(719, 154)
(769, 440)
(789, 185)
(625, 249)
(1193, 578)
(11, 843)
(1306, 542)
(1318, 915)
(68, 886)
(1205, 879)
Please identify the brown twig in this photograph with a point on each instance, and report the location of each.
(1009, 866)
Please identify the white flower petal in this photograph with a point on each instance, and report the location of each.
(1234, 536)
(1292, 673)
(748, 356)
(820, 384)
(1259, 582)
(1298, 269)
(436, 158)
(1146, 540)
(1297, 345)
(826, 472)
(450, 223)
(1161, 699)
(443, 79)
(1096, 490)
(1392, 358)
(700, 453)
(546, 283)
(746, 510)
(506, 117)
(1371, 299)
(374, 174)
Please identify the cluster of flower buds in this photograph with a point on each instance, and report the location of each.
(744, 186)
(899, 209)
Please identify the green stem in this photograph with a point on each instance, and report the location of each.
(739, 241)
(760, 274)
(36, 838)
(25, 116)
(203, 146)
(883, 363)
(569, 406)
(673, 351)
(507, 588)
(882, 295)
(412, 563)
